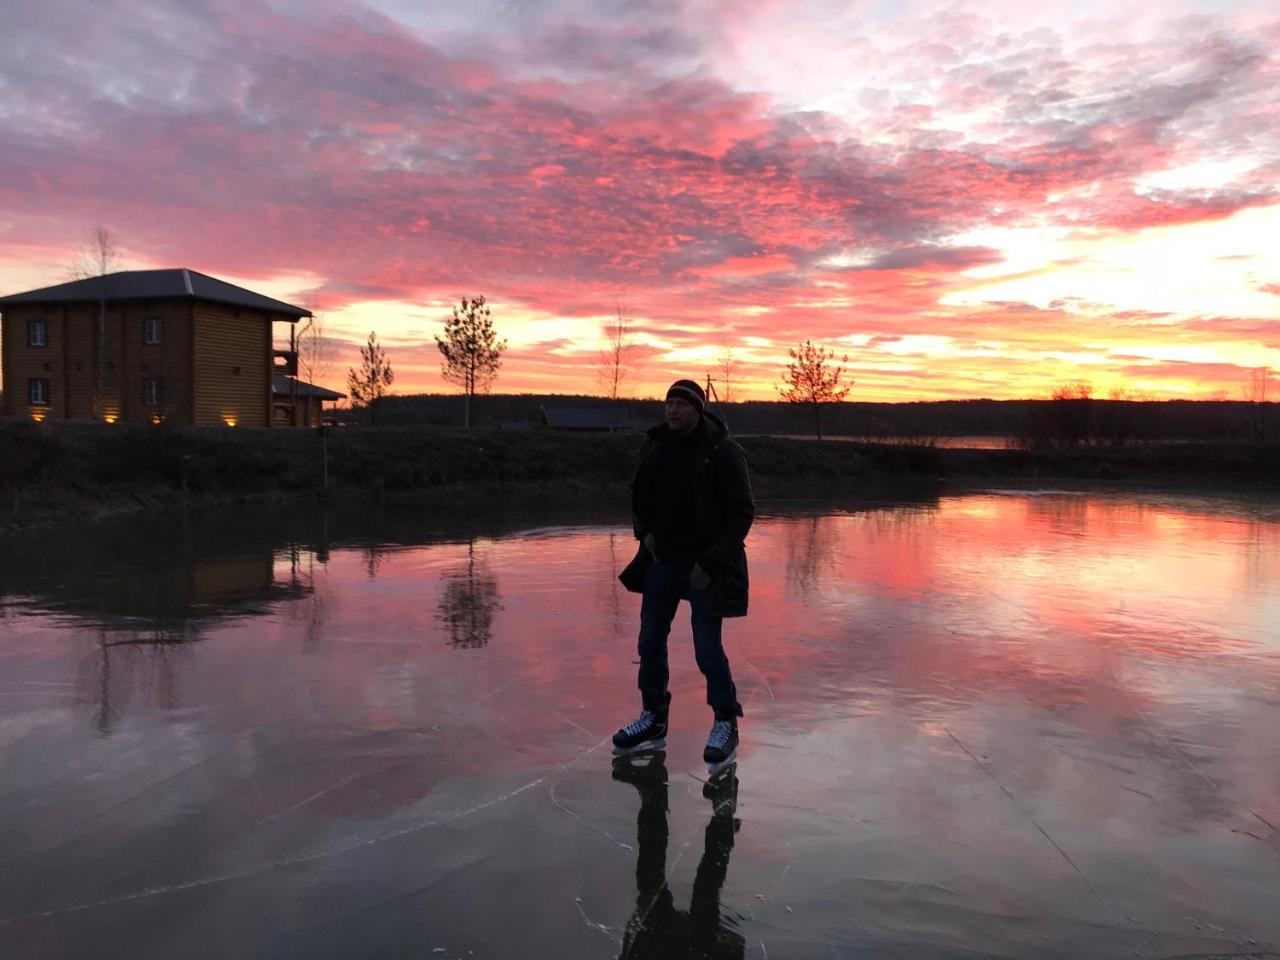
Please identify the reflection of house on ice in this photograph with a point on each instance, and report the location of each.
(175, 598)
(140, 653)
(142, 644)
(141, 611)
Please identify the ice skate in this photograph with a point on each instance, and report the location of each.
(722, 745)
(645, 733)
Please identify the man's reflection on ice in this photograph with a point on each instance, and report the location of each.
(657, 929)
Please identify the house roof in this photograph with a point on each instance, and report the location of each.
(280, 387)
(155, 285)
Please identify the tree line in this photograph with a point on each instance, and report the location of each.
(813, 397)
(1020, 423)
(815, 378)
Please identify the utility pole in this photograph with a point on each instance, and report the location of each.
(711, 389)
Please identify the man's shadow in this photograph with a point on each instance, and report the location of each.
(657, 929)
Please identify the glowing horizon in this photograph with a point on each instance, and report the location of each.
(970, 200)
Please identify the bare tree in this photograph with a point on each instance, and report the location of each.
(1115, 417)
(96, 261)
(1073, 412)
(727, 368)
(1065, 418)
(813, 379)
(97, 258)
(1257, 393)
(617, 351)
(315, 350)
(1075, 390)
(369, 384)
(471, 349)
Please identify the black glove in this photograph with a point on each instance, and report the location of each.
(651, 544)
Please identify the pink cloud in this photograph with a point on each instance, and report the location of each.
(605, 160)
(748, 266)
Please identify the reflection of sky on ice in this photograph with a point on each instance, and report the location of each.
(1001, 722)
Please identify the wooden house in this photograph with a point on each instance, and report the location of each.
(147, 345)
(306, 399)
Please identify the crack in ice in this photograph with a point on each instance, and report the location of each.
(592, 826)
(1031, 819)
(597, 926)
(339, 848)
(763, 678)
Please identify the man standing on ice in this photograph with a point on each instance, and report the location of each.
(691, 510)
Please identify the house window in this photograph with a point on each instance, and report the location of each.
(153, 391)
(151, 329)
(38, 392)
(37, 333)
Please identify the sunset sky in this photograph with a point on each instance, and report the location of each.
(969, 199)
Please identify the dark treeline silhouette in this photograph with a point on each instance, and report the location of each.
(1068, 421)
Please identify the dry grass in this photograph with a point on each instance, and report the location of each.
(55, 471)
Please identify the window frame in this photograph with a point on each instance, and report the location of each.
(147, 383)
(42, 325)
(43, 384)
(147, 322)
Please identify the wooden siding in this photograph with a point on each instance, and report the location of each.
(233, 365)
(128, 361)
(23, 363)
(170, 359)
(70, 361)
(310, 413)
(87, 360)
(6, 379)
(79, 383)
(214, 362)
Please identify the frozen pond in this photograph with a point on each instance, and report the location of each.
(995, 725)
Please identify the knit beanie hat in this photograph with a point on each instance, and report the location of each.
(689, 391)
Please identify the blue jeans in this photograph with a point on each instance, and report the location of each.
(665, 585)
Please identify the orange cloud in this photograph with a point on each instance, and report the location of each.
(565, 165)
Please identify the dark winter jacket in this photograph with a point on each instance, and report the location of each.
(724, 509)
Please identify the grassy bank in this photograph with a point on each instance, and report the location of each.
(63, 471)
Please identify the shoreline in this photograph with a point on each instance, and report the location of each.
(77, 473)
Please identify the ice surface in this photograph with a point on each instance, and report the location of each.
(993, 725)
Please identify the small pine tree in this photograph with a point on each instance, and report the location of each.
(813, 379)
(369, 384)
(471, 350)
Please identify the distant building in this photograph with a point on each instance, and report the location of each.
(311, 400)
(601, 419)
(147, 345)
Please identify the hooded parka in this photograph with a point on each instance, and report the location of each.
(724, 510)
